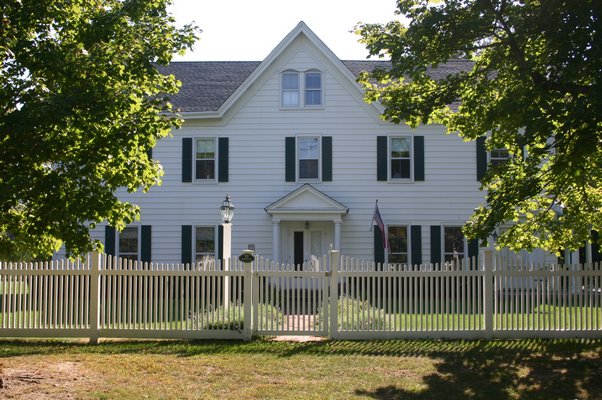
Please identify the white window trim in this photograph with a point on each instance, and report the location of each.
(409, 236)
(297, 168)
(464, 246)
(215, 240)
(216, 159)
(302, 89)
(139, 241)
(390, 179)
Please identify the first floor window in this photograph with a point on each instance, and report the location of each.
(400, 158)
(398, 243)
(204, 243)
(309, 157)
(453, 244)
(205, 159)
(128, 243)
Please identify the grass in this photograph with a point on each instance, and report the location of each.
(525, 369)
(361, 315)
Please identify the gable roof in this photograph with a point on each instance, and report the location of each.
(210, 87)
(307, 200)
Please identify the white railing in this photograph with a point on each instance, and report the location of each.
(342, 298)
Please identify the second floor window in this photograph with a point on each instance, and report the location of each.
(400, 158)
(205, 159)
(309, 157)
(498, 156)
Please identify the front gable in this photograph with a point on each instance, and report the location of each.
(300, 50)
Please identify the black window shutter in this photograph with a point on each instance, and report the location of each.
(290, 159)
(187, 244)
(109, 240)
(435, 244)
(418, 158)
(223, 163)
(481, 158)
(146, 243)
(220, 242)
(187, 160)
(473, 251)
(327, 158)
(149, 153)
(381, 158)
(416, 237)
(379, 249)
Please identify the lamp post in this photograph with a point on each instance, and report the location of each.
(227, 213)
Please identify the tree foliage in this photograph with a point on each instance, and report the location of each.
(81, 104)
(534, 88)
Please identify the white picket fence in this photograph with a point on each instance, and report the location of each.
(337, 297)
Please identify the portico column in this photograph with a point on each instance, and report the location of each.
(276, 240)
(337, 235)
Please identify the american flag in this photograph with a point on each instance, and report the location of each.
(379, 221)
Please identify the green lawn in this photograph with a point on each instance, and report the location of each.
(525, 369)
(360, 315)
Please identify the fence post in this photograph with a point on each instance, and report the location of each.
(247, 258)
(95, 262)
(488, 295)
(335, 263)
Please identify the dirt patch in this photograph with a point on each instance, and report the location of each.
(41, 381)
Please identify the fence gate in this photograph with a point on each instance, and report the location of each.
(290, 300)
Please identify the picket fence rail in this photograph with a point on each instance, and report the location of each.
(335, 296)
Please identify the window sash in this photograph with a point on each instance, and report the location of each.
(400, 157)
(204, 243)
(128, 243)
(205, 157)
(498, 156)
(290, 89)
(398, 244)
(313, 89)
(453, 244)
(308, 155)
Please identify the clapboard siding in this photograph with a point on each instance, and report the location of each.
(256, 127)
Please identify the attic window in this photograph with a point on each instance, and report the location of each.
(290, 89)
(301, 89)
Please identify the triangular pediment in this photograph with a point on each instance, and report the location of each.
(305, 201)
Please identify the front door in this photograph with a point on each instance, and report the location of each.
(306, 243)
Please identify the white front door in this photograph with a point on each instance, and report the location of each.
(306, 243)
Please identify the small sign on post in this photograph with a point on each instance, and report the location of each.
(247, 256)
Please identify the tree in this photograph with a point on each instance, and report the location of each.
(81, 104)
(534, 88)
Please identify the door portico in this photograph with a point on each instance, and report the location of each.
(305, 221)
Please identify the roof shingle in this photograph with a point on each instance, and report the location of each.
(206, 85)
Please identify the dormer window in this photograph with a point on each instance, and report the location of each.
(302, 89)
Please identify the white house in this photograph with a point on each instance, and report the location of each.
(304, 160)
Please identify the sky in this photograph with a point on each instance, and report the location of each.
(248, 30)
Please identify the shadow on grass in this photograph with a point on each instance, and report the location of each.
(529, 369)
(498, 369)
